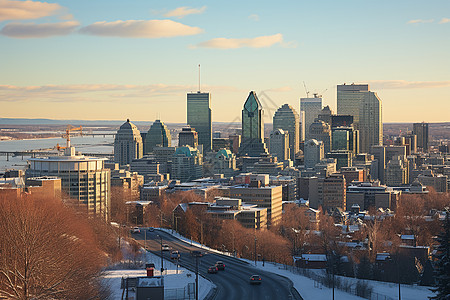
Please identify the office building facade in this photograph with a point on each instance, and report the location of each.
(311, 108)
(199, 116)
(157, 135)
(421, 131)
(287, 118)
(252, 127)
(127, 144)
(365, 106)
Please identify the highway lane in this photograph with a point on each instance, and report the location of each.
(234, 281)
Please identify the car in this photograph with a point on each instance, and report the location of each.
(255, 279)
(196, 253)
(151, 229)
(212, 270)
(165, 247)
(220, 265)
(175, 255)
(135, 230)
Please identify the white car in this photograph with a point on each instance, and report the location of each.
(135, 230)
(165, 247)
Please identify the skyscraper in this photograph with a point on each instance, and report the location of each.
(188, 137)
(127, 144)
(321, 131)
(157, 135)
(199, 117)
(311, 108)
(421, 131)
(287, 118)
(279, 144)
(252, 127)
(313, 153)
(365, 107)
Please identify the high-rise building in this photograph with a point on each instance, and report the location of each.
(187, 164)
(225, 163)
(199, 117)
(157, 135)
(279, 144)
(396, 172)
(313, 153)
(84, 179)
(421, 131)
(127, 144)
(332, 192)
(188, 137)
(321, 131)
(252, 127)
(287, 118)
(311, 108)
(365, 107)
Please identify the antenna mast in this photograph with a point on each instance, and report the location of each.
(199, 78)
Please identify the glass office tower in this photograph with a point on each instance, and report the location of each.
(199, 117)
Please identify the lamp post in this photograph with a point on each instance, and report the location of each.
(255, 250)
(162, 259)
(196, 277)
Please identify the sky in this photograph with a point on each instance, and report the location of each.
(137, 59)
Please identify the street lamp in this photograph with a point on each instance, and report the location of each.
(255, 250)
(162, 260)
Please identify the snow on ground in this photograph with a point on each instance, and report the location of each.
(172, 280)
(311, 290)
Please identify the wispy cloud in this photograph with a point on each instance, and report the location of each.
(403, 84)
(97, 92)
(444, 20)
(21, 30)
(257, 42)
(26, 10)
(140, 29)
(279, 89)
(420, 21)
(254, 17)
(184, 11)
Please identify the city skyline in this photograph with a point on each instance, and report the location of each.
(138, 60)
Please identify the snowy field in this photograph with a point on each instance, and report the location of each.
(172, 280)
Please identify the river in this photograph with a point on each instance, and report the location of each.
(84, 144)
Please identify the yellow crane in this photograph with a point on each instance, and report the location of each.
(69, 129)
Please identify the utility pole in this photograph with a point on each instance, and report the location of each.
(145, 239)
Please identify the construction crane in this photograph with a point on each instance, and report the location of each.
(306, 90)
(69, 129)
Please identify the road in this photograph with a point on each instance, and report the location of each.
(233, 282)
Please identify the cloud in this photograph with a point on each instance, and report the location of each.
(419, 21)
(97, 92)
(26, 10)
(403, 84)
(183, 11)
(257, 42)
(140, 29)
(444, 20)
(21, 30)
(279, 89)
(254, 17)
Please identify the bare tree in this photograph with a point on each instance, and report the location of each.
(47, 251)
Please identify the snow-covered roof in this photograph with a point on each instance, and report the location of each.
(407, 237)
(314, 257)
